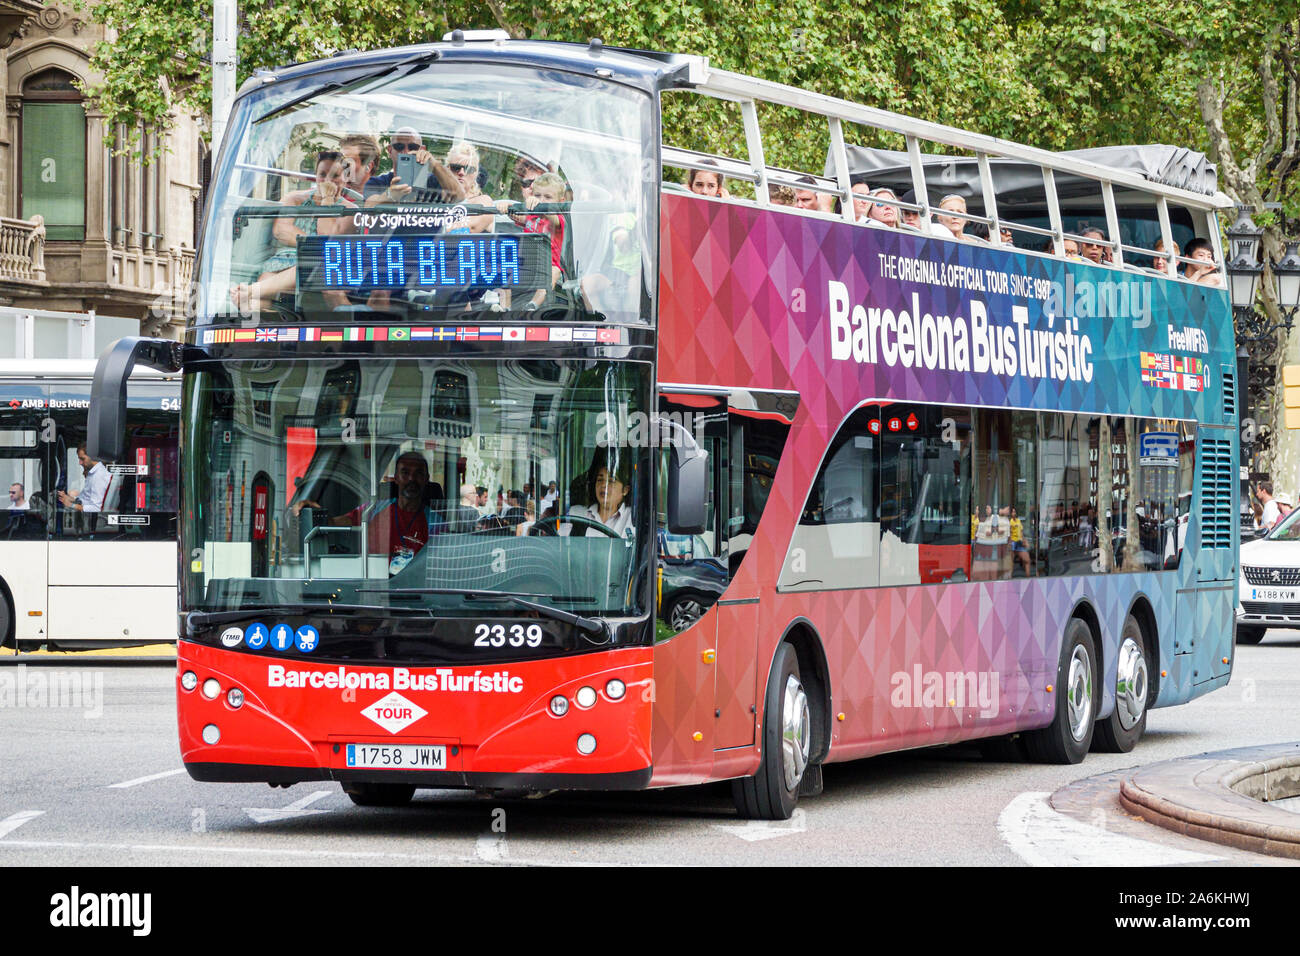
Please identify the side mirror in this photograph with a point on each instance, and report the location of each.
(106, 421)
(687, 479)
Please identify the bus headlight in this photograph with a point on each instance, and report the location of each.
(211, 688)
(559, 705)
(189, 680)
(235, 698)
(615, 689)
(586, 744)
(585, 697)
(211, 734)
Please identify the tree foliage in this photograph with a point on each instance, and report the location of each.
(1220, 75)
(948, 60)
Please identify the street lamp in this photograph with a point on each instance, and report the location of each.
(1243, 238)
(1286, 276)
(1243, 282)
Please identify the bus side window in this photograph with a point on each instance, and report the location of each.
(837, 541)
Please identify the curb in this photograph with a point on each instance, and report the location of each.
(1220, 797)
(99, 657)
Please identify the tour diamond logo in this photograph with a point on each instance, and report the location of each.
(394, 712)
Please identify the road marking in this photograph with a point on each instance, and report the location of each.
(1042, 836)
(753, 830)
(197, 850)
(299, 808)
(11, 823)
(139, 780)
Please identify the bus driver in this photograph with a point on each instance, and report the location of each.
(609, 488)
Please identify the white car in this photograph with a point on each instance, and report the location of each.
(1268, 593)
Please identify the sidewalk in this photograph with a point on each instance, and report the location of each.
(1221, 797)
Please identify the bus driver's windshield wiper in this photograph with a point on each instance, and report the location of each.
(587, 624)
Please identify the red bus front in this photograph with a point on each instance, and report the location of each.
(571, 722)
(360, 603)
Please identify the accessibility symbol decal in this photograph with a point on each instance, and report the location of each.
(256, 636)
(281, 637)
(307, 638)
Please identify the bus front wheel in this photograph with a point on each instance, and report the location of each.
(379, 794)
(1067, 738)
(771, 794)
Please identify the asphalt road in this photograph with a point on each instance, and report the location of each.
(101, 784)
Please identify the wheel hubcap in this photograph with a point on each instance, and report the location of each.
(1079, 687)
(684, 614)
(1131, 685)
(795, 733)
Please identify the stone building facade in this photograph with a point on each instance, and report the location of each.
(80, 227)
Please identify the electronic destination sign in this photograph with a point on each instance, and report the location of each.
(424, 262)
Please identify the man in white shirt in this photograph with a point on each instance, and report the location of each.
(17, 497)
(93, 490)
(1272, 511)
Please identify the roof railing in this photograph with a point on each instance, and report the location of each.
(748, 92)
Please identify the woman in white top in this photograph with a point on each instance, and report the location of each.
(610, 509)
(530, 518)
(463, 161)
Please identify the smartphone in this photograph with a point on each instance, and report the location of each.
(405, 166)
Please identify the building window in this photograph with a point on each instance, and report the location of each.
(53, 181)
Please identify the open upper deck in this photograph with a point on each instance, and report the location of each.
(547, 153)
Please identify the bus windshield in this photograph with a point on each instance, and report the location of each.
(416, 484)
(433, 194)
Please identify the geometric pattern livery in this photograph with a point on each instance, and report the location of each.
(744, 301)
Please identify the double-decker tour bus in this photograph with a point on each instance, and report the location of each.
(481, 361)
(90, 548)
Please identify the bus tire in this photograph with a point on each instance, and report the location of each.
(8, 626)
(771, 794)
(1067, 738)
(1249, 635)
(379, 794)
(1120, 732)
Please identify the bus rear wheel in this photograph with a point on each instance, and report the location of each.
(379, 794)
(1120, 732)
(771, 794)
(1067, 738)
(8, 634)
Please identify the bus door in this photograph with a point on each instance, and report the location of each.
(112, 566)
(26, 435)
(696, 569)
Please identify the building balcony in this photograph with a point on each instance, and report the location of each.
(22, 254)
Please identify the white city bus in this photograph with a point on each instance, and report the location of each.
(103, 574)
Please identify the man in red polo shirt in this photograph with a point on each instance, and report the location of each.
(399, 527)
